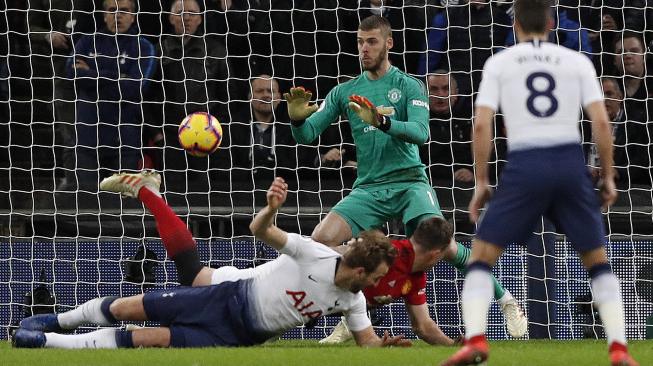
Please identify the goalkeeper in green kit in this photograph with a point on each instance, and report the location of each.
(389, 117)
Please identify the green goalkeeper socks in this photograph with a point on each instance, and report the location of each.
(460, 262)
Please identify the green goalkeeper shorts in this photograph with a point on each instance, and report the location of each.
(366, 209)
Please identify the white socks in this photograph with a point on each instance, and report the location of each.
(103, 338)
(88, 312)
(607, 296)
(477, 296)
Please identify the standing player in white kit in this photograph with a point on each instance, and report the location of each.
(540, 88)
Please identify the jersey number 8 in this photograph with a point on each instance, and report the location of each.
(545, 93)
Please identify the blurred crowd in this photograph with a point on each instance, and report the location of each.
(114, 78)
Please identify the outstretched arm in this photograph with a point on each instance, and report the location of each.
(309, 121)
(425, 328)
(263, 226)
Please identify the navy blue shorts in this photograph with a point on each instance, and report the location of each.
(206, 316)
(551, 182)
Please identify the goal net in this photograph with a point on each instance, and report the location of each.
(78, 102)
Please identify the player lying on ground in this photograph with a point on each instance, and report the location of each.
(406, 280)
(389, 117)
(240, 307)
(540, 87)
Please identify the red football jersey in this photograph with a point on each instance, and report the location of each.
(399, 282)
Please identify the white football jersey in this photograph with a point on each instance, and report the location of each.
(298, 287)
(540, 88)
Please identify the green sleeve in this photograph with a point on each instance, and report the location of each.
(416, 129)
(314, 125)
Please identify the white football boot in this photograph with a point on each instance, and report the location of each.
(128, 184)
(516, 321)
(340, 334)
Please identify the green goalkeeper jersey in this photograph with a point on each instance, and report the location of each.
(384, 158)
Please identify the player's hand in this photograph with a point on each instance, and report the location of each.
(388, 341)
(608, 191)
(482, 194)
(298, 99)
(277, 193)
(365, 110)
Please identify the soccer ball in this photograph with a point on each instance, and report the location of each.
(200, 134)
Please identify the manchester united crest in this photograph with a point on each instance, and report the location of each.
(394, 95)
(405, 289)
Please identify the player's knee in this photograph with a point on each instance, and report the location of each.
(119, 309)
(151, 337)
(331, 233)
(320, 236)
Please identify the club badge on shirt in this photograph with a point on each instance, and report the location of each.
(406, 288)
(394, 95)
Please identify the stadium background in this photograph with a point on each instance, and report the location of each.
(78, 243)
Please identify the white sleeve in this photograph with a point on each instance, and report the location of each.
(488, 92)
(293, 244)
(589, 85)
(356, 316)
(305, 249)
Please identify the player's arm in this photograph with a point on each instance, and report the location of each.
(482, 147)
(603, 139)
(263, 226)
(592, 99)
(482, 143)
(487, 103)
(308, 121)
(414, 131)
(367, 338)
(424, 327)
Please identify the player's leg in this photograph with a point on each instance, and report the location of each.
(101, 338)
(360, 210)
(176, 237)
(509, 218)
(40, 330)
(332, 231)
(476, 298)
(607, 296)
(151, 337)
(103, 311)
(577, 213)
(458, 256)
(477, 291)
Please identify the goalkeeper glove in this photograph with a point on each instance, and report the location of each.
(366, 111)
(298, 108)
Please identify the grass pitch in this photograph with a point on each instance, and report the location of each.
(309, 353)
